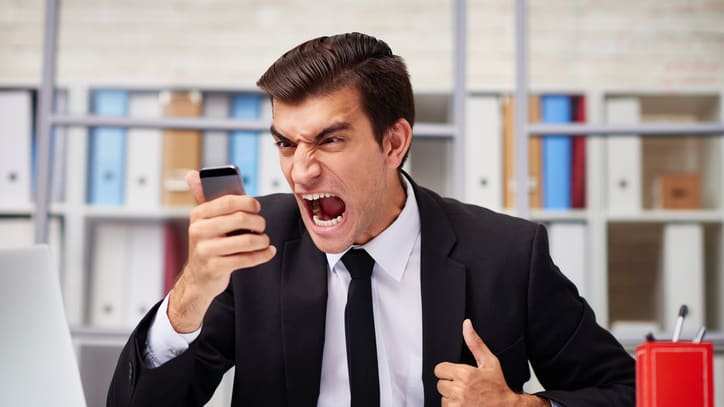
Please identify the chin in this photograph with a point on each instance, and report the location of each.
(328, 245)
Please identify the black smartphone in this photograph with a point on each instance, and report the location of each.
(222, 180)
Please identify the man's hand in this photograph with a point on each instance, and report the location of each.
(213, 255)
(484, 385)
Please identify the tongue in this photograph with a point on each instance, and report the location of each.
(331, 207)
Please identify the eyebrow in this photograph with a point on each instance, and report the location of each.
(326, 131)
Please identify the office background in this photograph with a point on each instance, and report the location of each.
(633, 257)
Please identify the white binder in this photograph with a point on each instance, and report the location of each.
(682, 276)
(484, 152)
(623, 158)
(109, 275)
(16, 115)
(215, 143)
(271, 177)
(143, 174)
(145, 269)
(569, 252)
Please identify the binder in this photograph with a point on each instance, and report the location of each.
(569, 250)
(215, 144)
(16, 124)
(181, 148)
(143, 178)
(578, 157)
(623, 156)
(535, 154)
(109, 275)
(107, 150)
(244, 145)
(175, 251)
(556, 154)
(145, 269)
(483, 147)
(682, 275)
(271, 177)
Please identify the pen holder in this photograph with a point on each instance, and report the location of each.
(674, 374)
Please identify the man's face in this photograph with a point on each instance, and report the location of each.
(346, 184)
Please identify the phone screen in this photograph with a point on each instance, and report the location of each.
(219, 181)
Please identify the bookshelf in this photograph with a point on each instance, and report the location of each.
(691, 135)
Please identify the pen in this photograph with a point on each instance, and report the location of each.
(683, 311)
(700, 335)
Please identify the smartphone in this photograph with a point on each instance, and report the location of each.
(220, 181)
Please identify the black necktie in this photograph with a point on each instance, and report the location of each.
(359, 326)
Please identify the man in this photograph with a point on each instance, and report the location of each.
(441, 270)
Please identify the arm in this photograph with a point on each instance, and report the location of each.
(200, 294)
(578, 361)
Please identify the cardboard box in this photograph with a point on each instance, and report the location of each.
(677, 191)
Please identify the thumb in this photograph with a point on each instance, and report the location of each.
(194, 181)
(477, 347)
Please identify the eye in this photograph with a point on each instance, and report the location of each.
(332, 140)
(283, 144)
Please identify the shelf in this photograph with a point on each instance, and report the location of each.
(665, 216)
(125, 213)
(567, 215)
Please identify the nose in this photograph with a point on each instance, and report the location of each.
(305, 167)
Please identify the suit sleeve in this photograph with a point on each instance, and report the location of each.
(191, 378)
(578, 361)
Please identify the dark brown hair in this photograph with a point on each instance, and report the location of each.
(326, 64)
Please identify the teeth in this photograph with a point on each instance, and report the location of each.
(314, 197)
(330, 222)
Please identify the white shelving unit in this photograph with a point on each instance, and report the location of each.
(440, 140)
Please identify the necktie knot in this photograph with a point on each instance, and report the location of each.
(359, 263)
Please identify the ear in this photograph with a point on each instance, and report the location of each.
(396, 142)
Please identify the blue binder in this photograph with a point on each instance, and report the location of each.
(244, 145)
(107, 150)
(556, 154)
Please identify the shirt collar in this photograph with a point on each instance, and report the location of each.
(391, 249)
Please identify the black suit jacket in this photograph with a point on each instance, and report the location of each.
(477, 264)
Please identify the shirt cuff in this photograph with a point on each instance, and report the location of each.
(163, 342)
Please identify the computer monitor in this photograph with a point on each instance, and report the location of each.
(37, 363)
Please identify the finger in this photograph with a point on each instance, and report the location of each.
(448, 389)
(225, 205)
(245, 243)
(454, 371)
(194, 182)
(477, 347)
(220, 226)
(444, 370)
(250, 259)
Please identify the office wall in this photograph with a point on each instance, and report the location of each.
(664, 44)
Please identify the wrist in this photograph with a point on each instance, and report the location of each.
(530, 400)
(186, 308)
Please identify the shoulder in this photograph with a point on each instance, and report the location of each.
(467, 218)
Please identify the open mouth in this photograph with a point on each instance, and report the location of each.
(326, 209)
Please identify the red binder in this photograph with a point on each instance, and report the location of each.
(674, 374)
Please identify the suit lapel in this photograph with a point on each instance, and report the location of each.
(304, 308)
(442, 281)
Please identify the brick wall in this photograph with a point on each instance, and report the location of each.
(621, 44)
